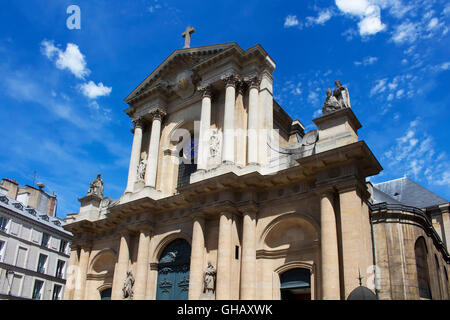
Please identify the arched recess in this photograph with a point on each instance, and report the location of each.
(159, 248)
(423, 271)
(180, 155)
(100, 273)
(290, 241)
(438, 277)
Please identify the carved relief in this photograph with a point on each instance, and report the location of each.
(214, 143)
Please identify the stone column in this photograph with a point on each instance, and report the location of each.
(80, 286)
(142, 264)
(197, 258)
(205, 124)
(135, 154)
(329, 248)
(223, 283)
(120, 272)
(252, 146)
(228, 120)
(153, 149)
(248, 269)
(72, 274)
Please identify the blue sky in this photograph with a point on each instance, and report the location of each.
(62, 90)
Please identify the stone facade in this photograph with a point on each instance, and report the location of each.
(275, 211)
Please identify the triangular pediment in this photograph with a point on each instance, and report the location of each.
(179, 60)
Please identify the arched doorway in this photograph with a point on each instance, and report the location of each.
(295, 284)
(173, 271)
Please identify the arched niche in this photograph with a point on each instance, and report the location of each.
(422, 268)
(290, 232)
(103, 263)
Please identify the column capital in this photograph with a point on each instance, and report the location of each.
(158, 114)
(138, 122)
(326, 191)
(206, 91)
(251, 210)
(254, 82)
(231, 80)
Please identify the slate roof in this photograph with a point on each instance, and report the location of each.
(407, 192)
(33, 214)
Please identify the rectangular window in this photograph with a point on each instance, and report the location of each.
(45, 239)
(3, 224)
(59, 269)
(42, 263)
(21, 257)
(62, 246)
(236, 252)
(2, 247)
(57, 289)
(37, 290)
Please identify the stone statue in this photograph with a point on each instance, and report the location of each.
(141, 170)
(340, 99)
(209, 280)
(342, 95)
(96, 187)
(214, 144)
(331, 103)
(128, 286)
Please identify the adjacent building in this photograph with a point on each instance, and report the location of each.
(34, 247)
(228, 197)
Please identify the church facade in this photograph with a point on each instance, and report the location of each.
(229, 198)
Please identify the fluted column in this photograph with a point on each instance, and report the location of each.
(120, 272)
(142, 264)
(80, 286)
(197, 258)
(72, 274)
(135, 154)
(223, 282)
(228, 120)
(329, 248)
(153, 149)
(248, 269)
(205, 124)
(252, 147)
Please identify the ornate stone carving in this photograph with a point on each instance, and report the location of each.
(231, 80)
(96, 187)
(336, 100)
(342, 95)
(138, 122)
(184, 86)
(209, 281)
(206, 91)
(254, 82)
(141, 170)
(214, 143)
(158, 114)
(128, 284)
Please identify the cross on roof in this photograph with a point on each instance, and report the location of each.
(187, 37)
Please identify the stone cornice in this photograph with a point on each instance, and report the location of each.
(398, 213)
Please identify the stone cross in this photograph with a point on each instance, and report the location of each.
(187, 37)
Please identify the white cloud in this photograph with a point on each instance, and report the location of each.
(313, 97)
(406, 32)
(71, 59)
(379, 87)
(366, 61)
(93, 91)
(367, 11)
(321, 19)
(291, 21)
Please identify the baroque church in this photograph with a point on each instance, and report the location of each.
(228, 197)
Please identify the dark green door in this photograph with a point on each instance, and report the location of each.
(106, 294)
(173, 271)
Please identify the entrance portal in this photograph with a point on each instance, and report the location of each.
(173, 271)
(296, 284)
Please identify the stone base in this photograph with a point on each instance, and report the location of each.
(207, 296)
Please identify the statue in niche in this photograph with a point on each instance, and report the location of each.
(141, 170)
(209, 280)
(96, 187)
(128, 284)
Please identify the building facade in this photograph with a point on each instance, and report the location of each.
(229, 198)
(34, 251)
